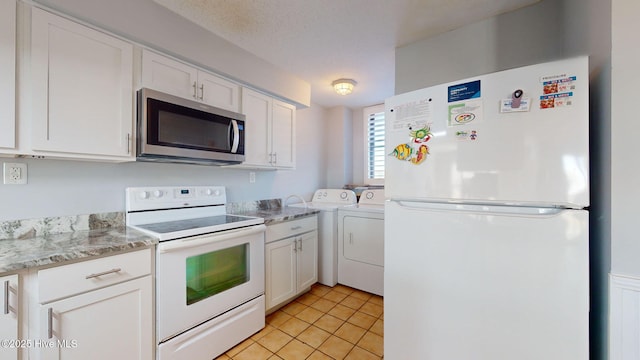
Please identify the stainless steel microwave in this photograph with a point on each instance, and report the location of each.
(173, 129)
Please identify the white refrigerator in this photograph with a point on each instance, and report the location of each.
(486, 223)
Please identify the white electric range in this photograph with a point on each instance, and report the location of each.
(209, 269)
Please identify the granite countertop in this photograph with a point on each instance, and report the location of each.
(39, 242)
(276, 215)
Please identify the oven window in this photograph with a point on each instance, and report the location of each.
(212, 273)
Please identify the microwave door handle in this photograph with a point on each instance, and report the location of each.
(235, 137)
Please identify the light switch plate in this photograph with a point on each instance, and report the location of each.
(14, 173)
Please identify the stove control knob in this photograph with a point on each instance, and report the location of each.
(216, 192)
(369, 195)
(208, 192)
(144, 195)
(158, 193)
(343, 195)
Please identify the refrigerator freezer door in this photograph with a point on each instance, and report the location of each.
(493, 153)
(482, 283)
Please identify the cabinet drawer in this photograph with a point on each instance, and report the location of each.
(67, 280)
(291, 228)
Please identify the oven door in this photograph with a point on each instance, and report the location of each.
(201, 277)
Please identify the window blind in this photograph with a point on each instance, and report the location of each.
(375, 144)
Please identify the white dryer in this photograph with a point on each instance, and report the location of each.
(328, 201)
(361, 243)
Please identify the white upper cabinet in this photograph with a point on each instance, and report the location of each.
(7, 73)
(257, 109)
(283, 137)
(167, 75)
(177, 78)
(269, 131)
(82, 91)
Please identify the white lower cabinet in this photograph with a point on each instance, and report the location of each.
(291, 260)
(9, 317)
(109, 323)
(98, 309)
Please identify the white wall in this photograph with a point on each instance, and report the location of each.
(357, 147)
(523, 37)
(546, 31)
(625, 166)
(338, 147)
(148, 23)
(61, 187)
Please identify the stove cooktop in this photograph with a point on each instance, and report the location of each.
(190, 224)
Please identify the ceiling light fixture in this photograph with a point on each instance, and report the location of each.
(344, 86)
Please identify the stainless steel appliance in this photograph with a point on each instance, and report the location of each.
(173, 129)
(209, 269)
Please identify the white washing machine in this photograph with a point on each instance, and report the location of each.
(361, 243)
(328, 201)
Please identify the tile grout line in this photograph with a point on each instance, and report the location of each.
(326, 300)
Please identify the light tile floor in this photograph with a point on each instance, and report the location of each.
(325, 323)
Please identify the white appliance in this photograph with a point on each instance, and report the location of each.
(361, 243)
(209, 269)
(486, 226)
(327, 201)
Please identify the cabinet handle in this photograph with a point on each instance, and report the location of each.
(195, 95)
(296, 227)
(128, 143)
(6, 297)
(295, 245)
(103, 273)
(275, 156)
(50, 323)
(201, 91)
(350, 238)
(300, 244)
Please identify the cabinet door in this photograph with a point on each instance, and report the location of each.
(170, 76)
(82, 89)
(364, 240)
(110, 323)
(257, 108)
(307, 260)
(218, 92)
(280, 277)
(7, 73)
(283, 134)
(9, 315)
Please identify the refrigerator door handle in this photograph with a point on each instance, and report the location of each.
(482, 209)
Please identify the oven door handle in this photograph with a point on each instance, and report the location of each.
(175, 245)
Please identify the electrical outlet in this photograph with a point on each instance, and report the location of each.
(15, 173)
(252, 177)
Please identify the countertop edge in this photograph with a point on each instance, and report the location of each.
(24, 254)
(57, 249)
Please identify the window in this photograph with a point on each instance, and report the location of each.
(374, 144)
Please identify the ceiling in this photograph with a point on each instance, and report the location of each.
(321, 41)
